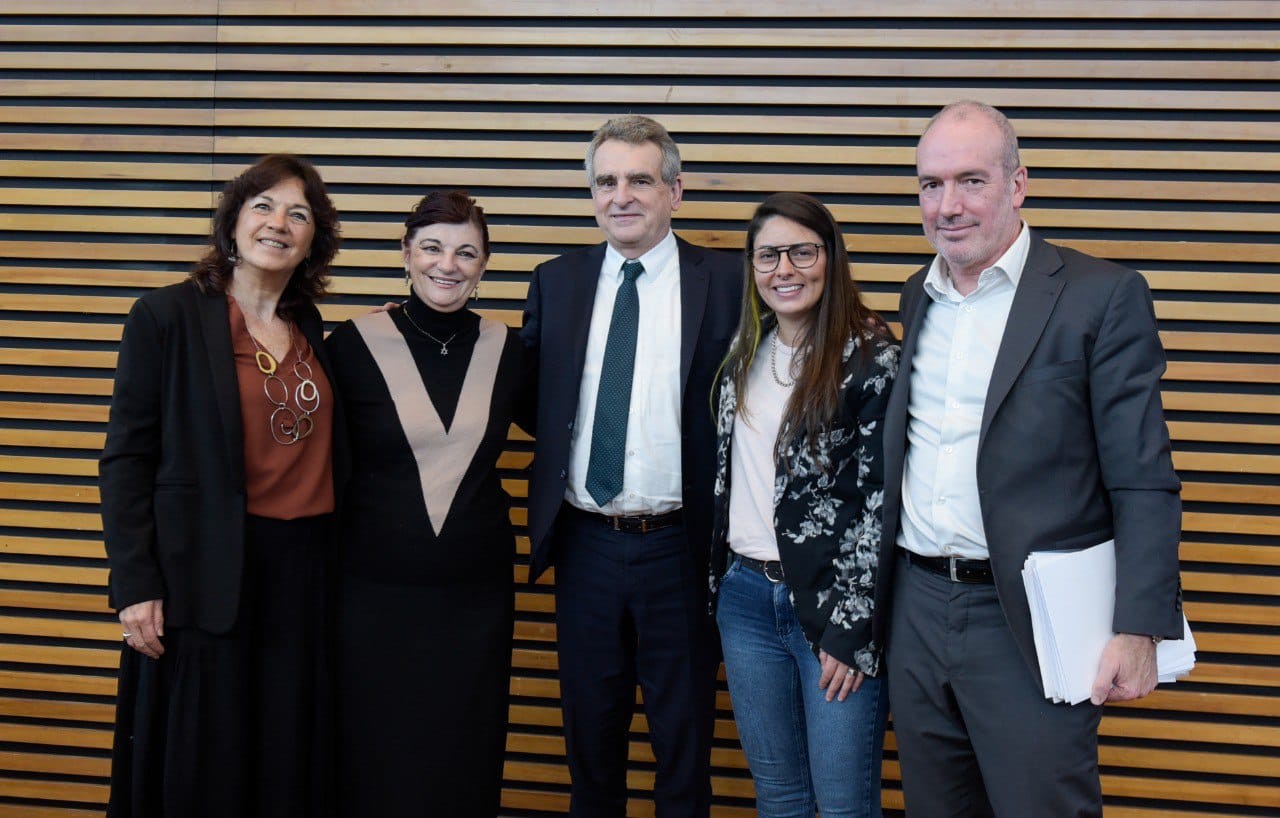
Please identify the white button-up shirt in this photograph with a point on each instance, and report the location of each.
(950, 372)
(651, 479)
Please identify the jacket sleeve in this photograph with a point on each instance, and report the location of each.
(1134, 452)
(130, 458)
(526, 415)
(847, 636)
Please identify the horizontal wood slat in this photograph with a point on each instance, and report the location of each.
(1149, 127)
(1128, 39)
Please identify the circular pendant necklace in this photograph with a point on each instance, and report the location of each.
(287, 425)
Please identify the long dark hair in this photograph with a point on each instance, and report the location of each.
(310, 280)
(838, 315)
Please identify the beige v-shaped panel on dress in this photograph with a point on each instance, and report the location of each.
(443, 457)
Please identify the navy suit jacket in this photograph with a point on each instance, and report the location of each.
(1073, 448)
(557, 318)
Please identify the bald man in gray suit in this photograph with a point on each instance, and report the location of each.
(1026, 417)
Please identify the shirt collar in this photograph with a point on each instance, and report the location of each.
(937, 282)
(655, 262)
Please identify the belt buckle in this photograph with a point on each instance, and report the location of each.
(951, 563)
(630, 525)
(769, 568)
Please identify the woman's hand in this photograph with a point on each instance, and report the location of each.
(143, 627)
(838, 679)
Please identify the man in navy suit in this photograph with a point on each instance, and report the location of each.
(1026, 417)
(627, 337)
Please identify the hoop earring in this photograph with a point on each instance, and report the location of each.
(234, 256)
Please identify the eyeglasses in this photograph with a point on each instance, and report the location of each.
(801, 256)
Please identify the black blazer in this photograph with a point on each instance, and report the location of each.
(557, 317)
(172, 470)
(1073, 448)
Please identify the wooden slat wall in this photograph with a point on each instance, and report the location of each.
(1150, 128)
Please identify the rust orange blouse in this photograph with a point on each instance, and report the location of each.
(293, 479)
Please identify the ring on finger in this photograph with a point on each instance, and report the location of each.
(127, 634)
(849, 672)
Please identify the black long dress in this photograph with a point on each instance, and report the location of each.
(425, 591)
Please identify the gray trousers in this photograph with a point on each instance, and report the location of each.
(975, 734)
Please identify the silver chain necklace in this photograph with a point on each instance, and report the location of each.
(773, 364)
(444, 345)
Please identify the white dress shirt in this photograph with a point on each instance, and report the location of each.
(651, 479)
(754, 473)
(950, 372)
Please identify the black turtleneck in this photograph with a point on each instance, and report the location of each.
(385, 523)
(426, 330)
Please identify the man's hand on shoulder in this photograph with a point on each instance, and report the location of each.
(1127, 670)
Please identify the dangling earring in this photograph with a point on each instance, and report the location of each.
(407, 279)
(475, 292)
(234, 256)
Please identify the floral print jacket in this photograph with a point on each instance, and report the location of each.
(827, 509)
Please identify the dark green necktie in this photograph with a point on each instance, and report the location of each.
(613, 400)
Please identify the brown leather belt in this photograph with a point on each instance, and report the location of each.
(956, 569)
(634, 523)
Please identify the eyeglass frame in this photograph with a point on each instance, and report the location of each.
(785, 249)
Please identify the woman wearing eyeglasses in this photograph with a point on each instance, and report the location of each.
(801, 403)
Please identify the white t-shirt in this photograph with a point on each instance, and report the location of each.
(754, 474)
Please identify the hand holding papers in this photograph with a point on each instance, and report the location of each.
(1072, 599)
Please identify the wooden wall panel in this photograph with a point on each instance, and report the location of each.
(1150, 128)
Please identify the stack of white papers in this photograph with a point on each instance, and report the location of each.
(1072, 597)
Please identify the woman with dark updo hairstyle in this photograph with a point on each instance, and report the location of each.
(425, 598)
(218, 485)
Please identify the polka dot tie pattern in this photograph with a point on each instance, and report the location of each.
(613, 400)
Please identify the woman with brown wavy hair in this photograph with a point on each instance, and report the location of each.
(798, 492)
(218, 486)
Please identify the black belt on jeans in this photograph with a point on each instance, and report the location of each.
(635, 523)
(956, 569)
(772, 569)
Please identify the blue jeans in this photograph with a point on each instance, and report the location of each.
(805, 752)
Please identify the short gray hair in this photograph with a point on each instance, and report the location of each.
(963, 109)
(636, 130)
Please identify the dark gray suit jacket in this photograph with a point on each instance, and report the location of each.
(557, 318)
(1073, 448)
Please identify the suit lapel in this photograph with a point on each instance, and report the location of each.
(312, 327)
(693, 303)
(895, 432)
(215, 326)
(311, 324)
(579, 300)
(1033, 303)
